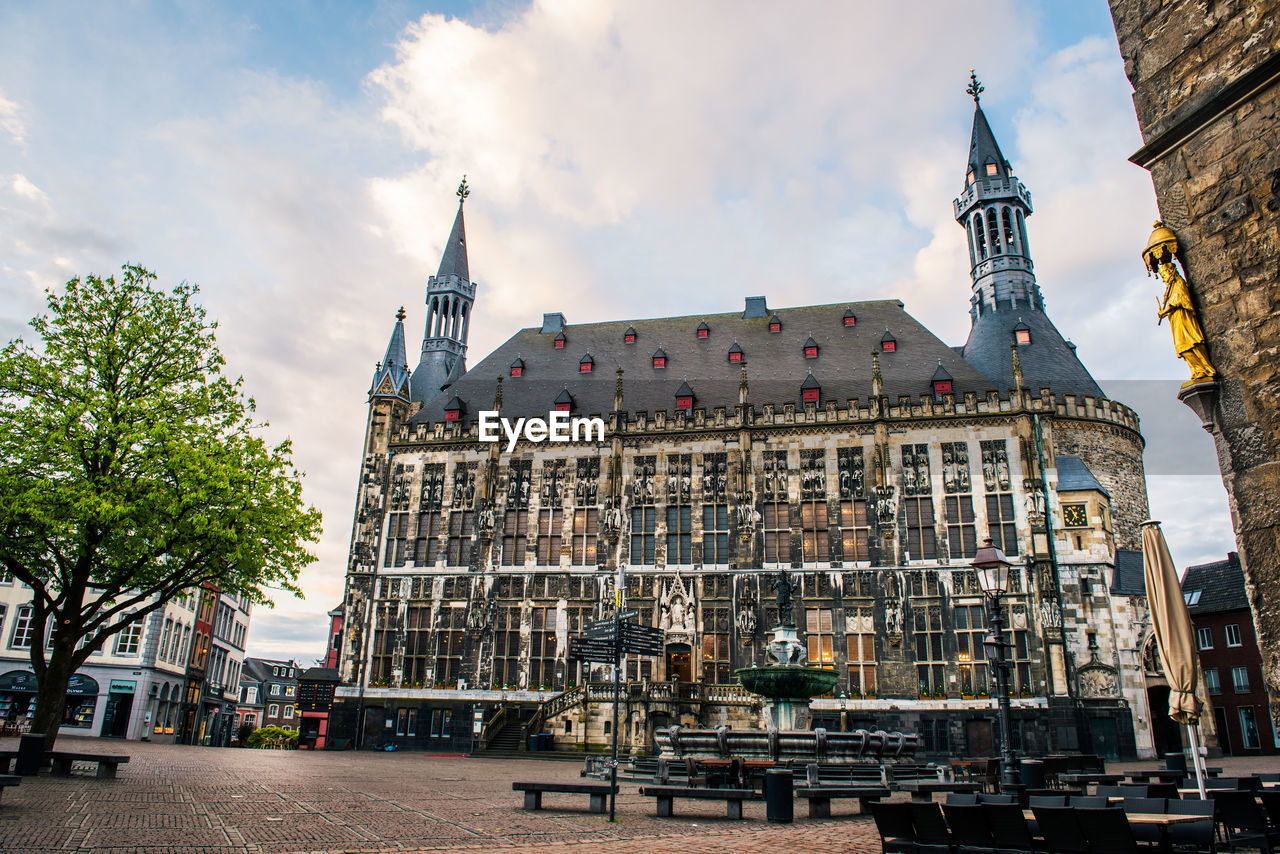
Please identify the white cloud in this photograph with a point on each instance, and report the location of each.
(11, 120)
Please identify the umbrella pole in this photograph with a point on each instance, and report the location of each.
(1193, 734)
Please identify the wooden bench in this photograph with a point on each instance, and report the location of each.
(533, 793)
(107, 762)
(9, 780)
(820, 797)
(733, 798)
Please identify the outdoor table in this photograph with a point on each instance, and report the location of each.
(1089, 778)
(1158, 818)
(922, 791)
(1163, 776)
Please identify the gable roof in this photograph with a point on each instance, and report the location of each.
(1220, 585)
(1074, 476)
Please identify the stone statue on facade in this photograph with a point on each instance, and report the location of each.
(1188, 337)
(785, 588)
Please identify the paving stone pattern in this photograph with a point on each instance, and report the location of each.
(197, 800)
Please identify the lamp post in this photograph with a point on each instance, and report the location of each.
(992, 569)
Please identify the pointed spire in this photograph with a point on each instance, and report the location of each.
(983, 148)
(394, 365)
(454, 260)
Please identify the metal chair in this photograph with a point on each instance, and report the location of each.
(1088, 802)
(997, 799)
(893, 823)
(931, 834)
(1133, 790)
(1106, 791)
(968, 830)
(1047, 801)
(1197, 835)
(1061, 830)
(1107, 831)
(962, 799)
(1147, 833)
(1010, 830)
(1162, 790)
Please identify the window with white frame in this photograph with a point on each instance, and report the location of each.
(1233, 634)
(273, 710)
(290, 690)
(128, 638)
(1211, 681)
(1204, 637)
(22, 629)
(1240, 680)
(288, 713)
(163, 653)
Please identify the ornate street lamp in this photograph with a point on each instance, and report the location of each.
(992, 569)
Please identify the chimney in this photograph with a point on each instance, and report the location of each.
(552, 322)
(756, 307)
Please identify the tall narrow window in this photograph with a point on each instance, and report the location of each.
(996, 476)
(855, 530)
(993, 231)
(461, 526)
(22, 629)
(861, 643)
(980, 235)
(716, 668)
(506, 648)
(680, 534)
(921, 534)
(542, 649)
(715, 533)
(584, 536)
(776, 526)
(397, 539)
(1006, 217)
(820, 635)
(971, 628)
(550, 528)
(418, 639)
(926, 630)
(451, 629)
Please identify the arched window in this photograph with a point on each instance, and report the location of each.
(973, 258)
(980, 235)
(1022, 234)
(1007, 216)
(993, 231)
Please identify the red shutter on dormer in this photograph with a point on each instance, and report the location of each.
(889, 346)
(850, 321)
(735, 357)
(563, 407)
(1022, 336)
(559, 343)
(942, 387)
(775, 327)
(659, 361)
(703, 333)
(584, 368)
(450, 415)
(684, 403)
(811, 394)
(515, 372)
(811, 352)
(629, 338)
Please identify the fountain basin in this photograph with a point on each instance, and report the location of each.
(787, 681)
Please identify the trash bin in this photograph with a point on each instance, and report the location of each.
(1033, 773)
(779, 797)
(1176, 762)
(535, 742)
(30, 754)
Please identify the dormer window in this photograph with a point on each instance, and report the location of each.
(629, 337)
(659, 359)
(1021, 333)
(517, 367)
(850, 319)
(775, 324)
(564, 401)
(735, 353)
(585, 364)
(559, 341)
(888, 344)
(810, 391)
(684, 396)
(941, 381)
(993, 169)
(968, 179)
(453, 409)
(811, 348)
(704, 331)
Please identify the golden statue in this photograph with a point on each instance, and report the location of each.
(1188, 337)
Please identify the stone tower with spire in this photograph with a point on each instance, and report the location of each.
(450, 296)
(1006, 305)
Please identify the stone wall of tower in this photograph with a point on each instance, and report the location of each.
(1206, 80)
(1114, 455)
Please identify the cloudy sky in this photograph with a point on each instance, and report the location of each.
(298, 161)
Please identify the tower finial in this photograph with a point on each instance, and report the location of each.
(400, 315)
(975, 88)
(463, 191)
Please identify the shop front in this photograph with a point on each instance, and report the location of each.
(18, 702)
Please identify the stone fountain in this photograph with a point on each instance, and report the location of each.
(787, 684)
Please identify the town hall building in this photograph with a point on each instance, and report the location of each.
(845, 443)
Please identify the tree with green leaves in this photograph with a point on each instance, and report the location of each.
(132, 471)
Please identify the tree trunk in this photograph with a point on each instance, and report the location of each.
(51, 693)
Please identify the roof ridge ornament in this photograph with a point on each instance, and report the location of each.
(463, 191)
(975, 88)
(400, 315)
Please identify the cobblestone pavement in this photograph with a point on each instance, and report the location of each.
(173, 798)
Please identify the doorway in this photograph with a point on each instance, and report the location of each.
(978, 737)
(1104, 736)
(115, 719)
(1165, 731)
(1224, 732)
(679, 662)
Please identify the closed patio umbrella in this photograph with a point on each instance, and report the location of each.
(1174, 638)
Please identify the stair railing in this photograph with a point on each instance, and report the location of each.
(493, 726)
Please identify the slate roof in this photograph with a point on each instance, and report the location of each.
(321, 674)
(984, 149)
(1128, 578)
(394, 364)
(1221, 586)
(454, 260)
(1048, 361)
(775, 362)
(1074, 476)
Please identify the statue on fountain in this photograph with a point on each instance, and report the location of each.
(785, 587)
